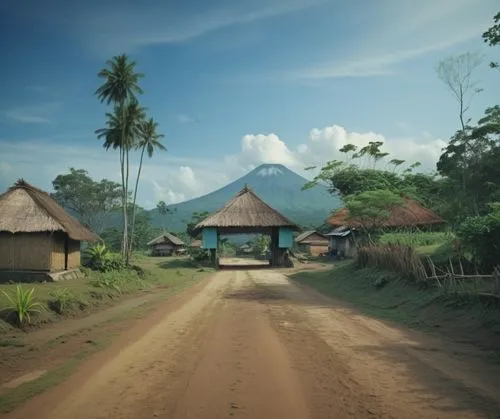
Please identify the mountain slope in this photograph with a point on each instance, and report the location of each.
(280, 187)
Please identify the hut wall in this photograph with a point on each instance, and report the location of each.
(74, 258)
(6, 251)
(285, 237)
(316, 250)
(58, 255)
(209, 238)
(25, 251)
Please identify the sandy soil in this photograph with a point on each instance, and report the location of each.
(250, 344)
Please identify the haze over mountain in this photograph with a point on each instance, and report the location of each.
(279, 186)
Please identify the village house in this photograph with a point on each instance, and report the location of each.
(36, 233)
(166, 244)
(341, 242)
(408, 215)
(312, 242)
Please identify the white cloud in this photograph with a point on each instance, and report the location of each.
(175, 178)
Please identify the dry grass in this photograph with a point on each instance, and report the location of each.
(402, 259)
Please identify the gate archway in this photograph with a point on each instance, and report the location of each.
(246, 213)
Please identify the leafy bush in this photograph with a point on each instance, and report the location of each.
(62, 300)
(23, 304)
(100, 259)
(480, 236)
(199, 255)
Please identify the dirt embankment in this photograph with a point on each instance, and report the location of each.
(251, 344)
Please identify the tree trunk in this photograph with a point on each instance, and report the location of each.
(126, 203)
(124, 199)
(132, 226)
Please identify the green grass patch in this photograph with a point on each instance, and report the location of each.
(386, 296)
(416, 239)
(72, 297)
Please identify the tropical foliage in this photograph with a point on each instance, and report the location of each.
(126, 130)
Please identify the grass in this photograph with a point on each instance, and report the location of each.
(75, 297)
(416, 239)
(386, 296)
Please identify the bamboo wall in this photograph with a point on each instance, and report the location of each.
(37, 252)
(316, 250)
(58, 256)
(25, 251)
(74, 260)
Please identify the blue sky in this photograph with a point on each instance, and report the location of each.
(233, 84)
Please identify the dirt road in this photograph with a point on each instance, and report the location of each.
(250, 344)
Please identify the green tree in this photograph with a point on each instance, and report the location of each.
(372, 208)
(120, 88)
(196, 218)
(149, 142)
(88, 199)
(164, 210)
(492, 37)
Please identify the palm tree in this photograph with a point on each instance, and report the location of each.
(120, 88)
(149, 142)
(123, 129)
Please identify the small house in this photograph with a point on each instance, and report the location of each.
(195, 244)
(341, 242)
(166, 245)
(312, 242)
(36, 233)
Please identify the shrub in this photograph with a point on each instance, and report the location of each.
(62, 300)
(98, 258)
(480, 236)
(23, 304)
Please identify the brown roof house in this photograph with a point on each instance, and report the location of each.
(36, 233)
(166, 245)
(409, 214)
(312, 242)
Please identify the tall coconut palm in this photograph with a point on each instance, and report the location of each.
(123, 131)
(149, 142)
(120, 88)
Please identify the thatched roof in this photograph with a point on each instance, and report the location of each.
(26, 209)
(409, 214)
(246, 210)
(167, 237)
(311, 237)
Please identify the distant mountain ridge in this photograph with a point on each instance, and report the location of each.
(277, 185)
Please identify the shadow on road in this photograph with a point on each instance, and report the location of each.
(450, 377)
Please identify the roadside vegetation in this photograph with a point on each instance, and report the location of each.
(441, 277)
(106, 281)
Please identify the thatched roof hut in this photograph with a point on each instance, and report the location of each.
(409, 214)
(245, 211)
(36, 233)
(165, 244)
(312, 242)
